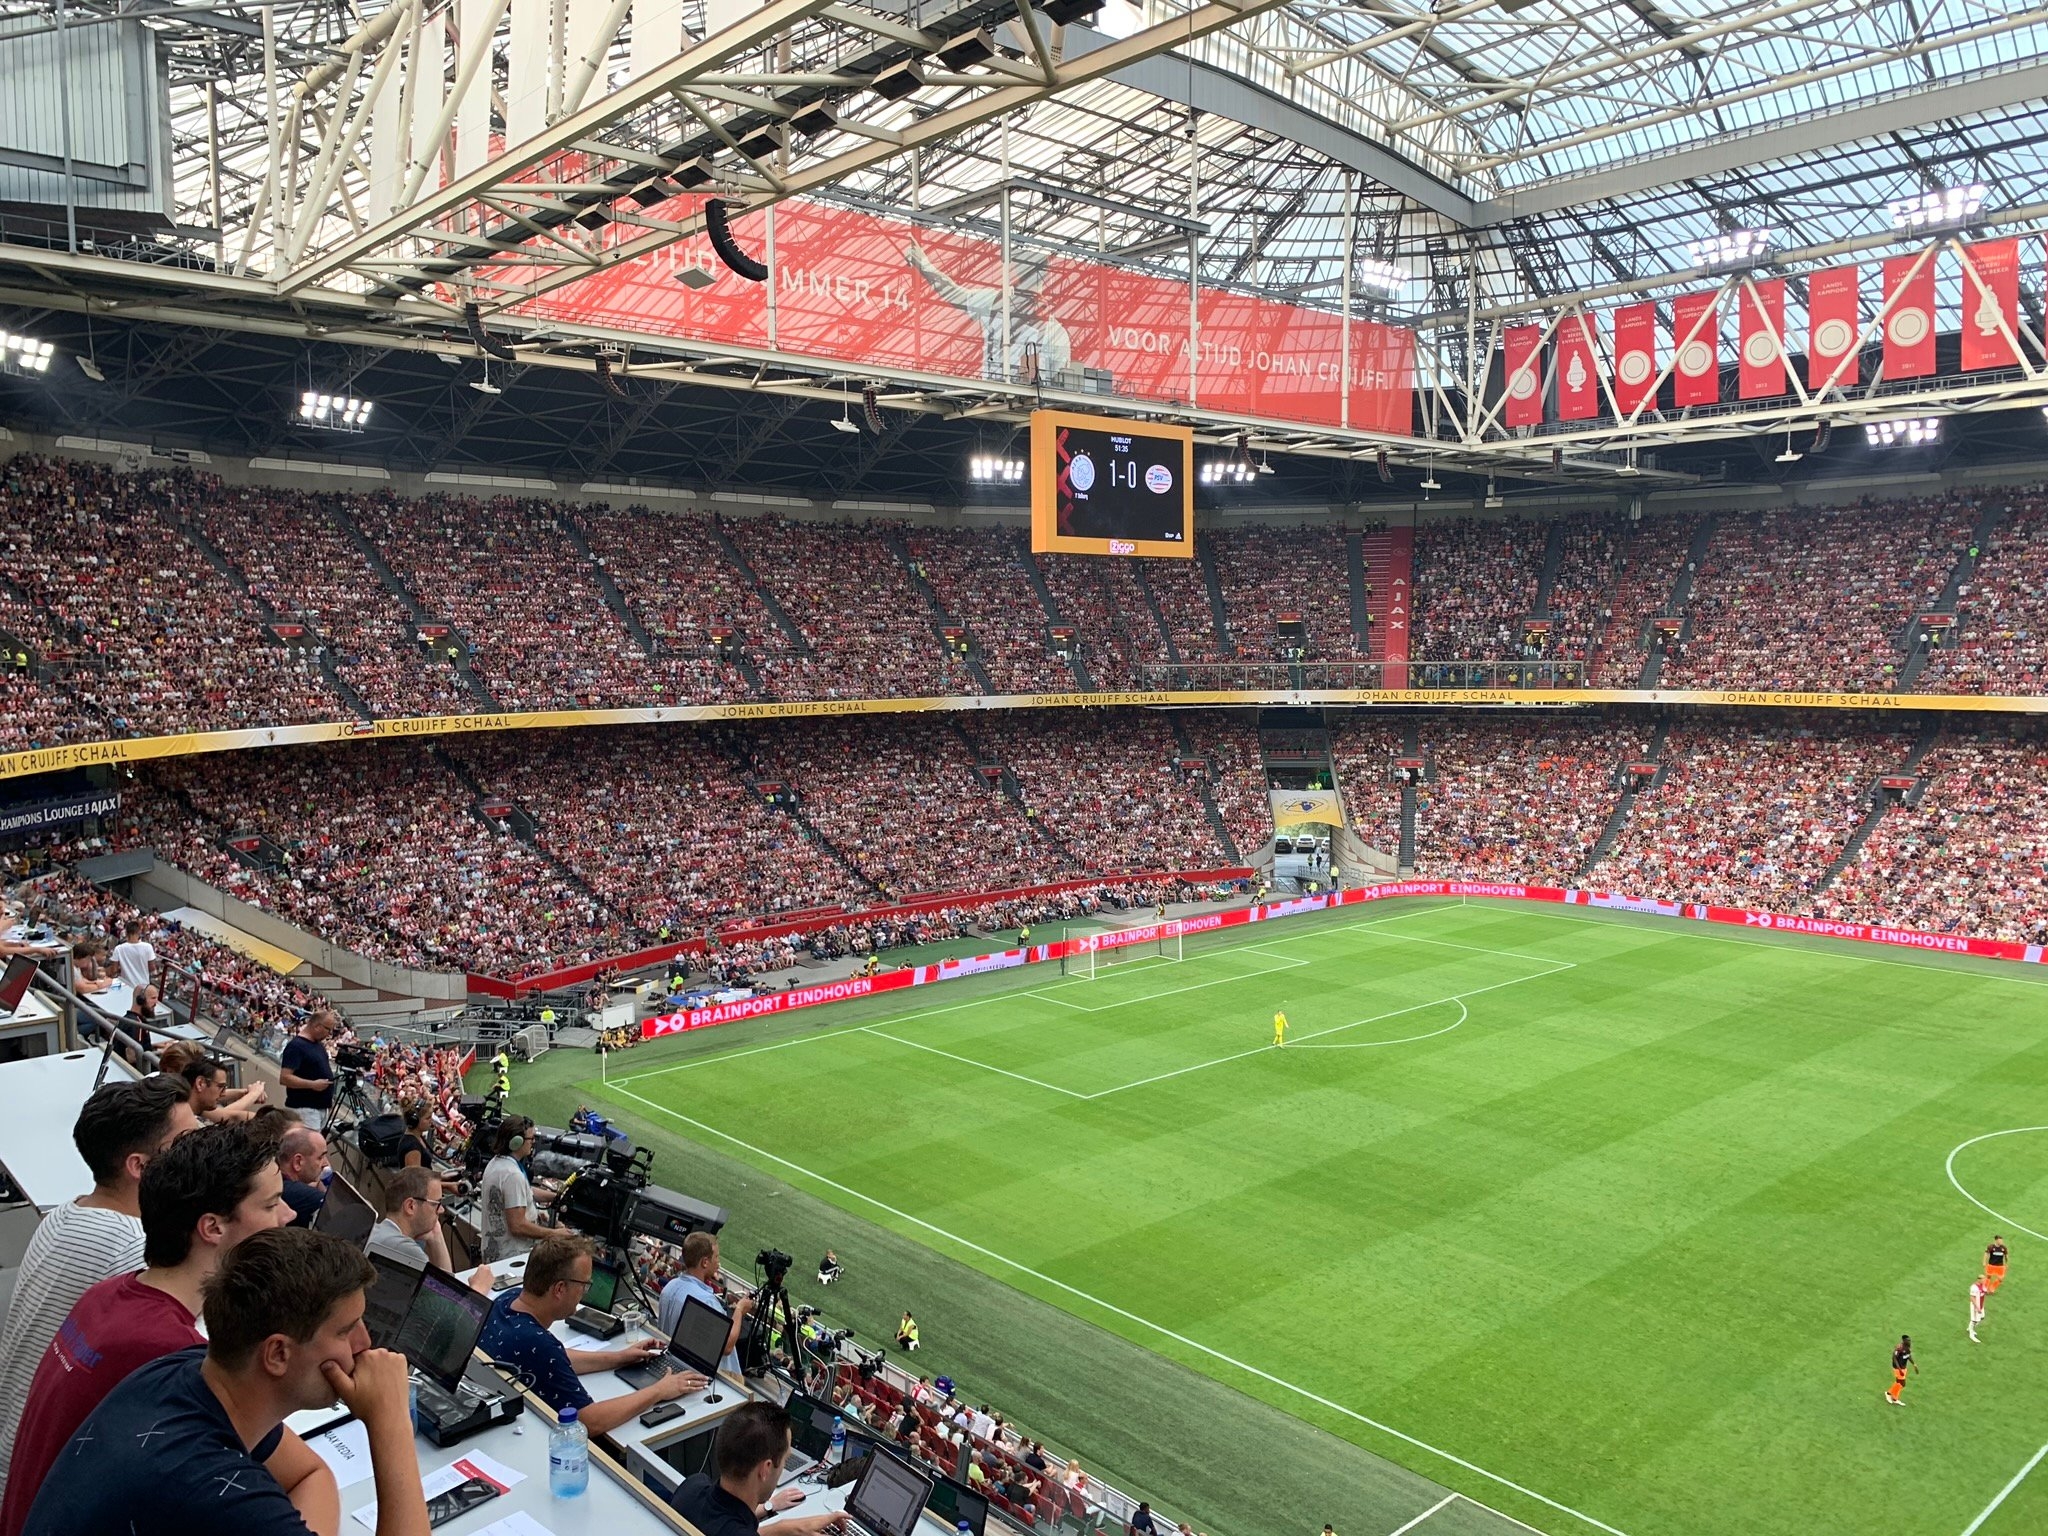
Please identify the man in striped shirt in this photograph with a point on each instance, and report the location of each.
(79, 1244)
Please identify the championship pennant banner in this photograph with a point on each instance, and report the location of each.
(857, 287)
(1209, 922)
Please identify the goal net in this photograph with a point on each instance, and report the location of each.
(1119, 946)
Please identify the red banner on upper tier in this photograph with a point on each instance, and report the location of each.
(1761, 375)
(1695, 349)
(1521, 349)
(1635, 356)
(1832, 326)
(856, 287)
(1991, 304)
(1909, 316)
(1578, 368)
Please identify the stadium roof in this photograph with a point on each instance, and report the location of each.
(1505, 153)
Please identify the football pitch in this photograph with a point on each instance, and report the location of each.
(1577, 1221)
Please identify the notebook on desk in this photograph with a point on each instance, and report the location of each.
(889, 1497)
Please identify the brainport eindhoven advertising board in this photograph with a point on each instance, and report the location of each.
(885, 293)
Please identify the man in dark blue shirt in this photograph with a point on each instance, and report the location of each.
(305, 1071)
(302, 1158)
(730, 1497)
(517, 1337)
(195, 1441)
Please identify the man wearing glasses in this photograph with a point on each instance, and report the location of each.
(411, 1229)
(517, 1337)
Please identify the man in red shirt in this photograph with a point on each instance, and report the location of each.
(199, 1197)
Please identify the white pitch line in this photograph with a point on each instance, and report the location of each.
(2017, 1478)
(1464, 1014)
(870, 1029)
(1402, 1530)
(705, 1061)
(1146, 1323)
(1950, 1165)
(1197, 986)
(1455, 997)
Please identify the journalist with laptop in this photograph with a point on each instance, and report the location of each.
(558, 1273)
(747, 1459)
(699, 1278)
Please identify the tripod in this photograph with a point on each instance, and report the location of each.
(348, 1096)
(773, 1313)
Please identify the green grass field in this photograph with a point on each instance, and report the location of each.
(1600, 1223)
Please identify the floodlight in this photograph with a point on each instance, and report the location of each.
(1239, 471)
(1382, 279)
(1731, 250)
(334, 413)
(1905, 432)
(24, 355)
(990, 469)
(1937, 210)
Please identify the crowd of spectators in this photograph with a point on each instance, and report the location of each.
(1582, 589)
(1110, 794)
(1267, 572)
(678, 583)
(1363, 750)
(1518, 799)
(1181, 592)
(1227, 743)
(983, 585)
(1972, 857)
(867, 630)
(165, 642)
(905, 802)
(1100, 600)
(2001, 642)
(1818, 597)
(379, 849)
(1750, 815)
(1650, 563)
(1475, 583)
(299, 563)
(516, 588)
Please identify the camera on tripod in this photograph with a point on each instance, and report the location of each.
(773, 1263)
(354, 1058)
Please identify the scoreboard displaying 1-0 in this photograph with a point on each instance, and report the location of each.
(1101, 485)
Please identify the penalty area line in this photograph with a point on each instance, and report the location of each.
(1131, 1317)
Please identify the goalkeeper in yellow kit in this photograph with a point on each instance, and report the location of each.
(1279, 1029)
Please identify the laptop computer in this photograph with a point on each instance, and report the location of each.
(853, 1460)
(437, 1324)
(389, 1298)
(953, 1501)
(698, 1344)
(889, 1497)
(21, 970)
(345, 1214)
(810, 1434)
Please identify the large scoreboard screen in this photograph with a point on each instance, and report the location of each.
(1101, 485)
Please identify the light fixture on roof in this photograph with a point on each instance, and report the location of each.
(1937, 210)
(1905, 432)
(24, 356)
(1733, 250)
(1429, 480)
(899, 81)
(484, 386)
(845, 422)
(1789, 456)
(334, 413)
(1494, 499)
(994, 469)
(1227, 472)
(1266, 462)
(1381, 279)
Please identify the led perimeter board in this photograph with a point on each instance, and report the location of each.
(1101, 485)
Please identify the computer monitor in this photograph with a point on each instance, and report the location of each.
(603, 1290)
(389, 1299)
(953, 1501)
(443, 1325)
(890, 1496)
(810, 1425)
(345, 1214)
(699, 1339)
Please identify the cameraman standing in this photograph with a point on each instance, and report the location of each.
(306, 1072)
(699, 1278)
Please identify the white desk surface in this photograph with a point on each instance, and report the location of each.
(39, 1102)
(609, 1507)
(34, 1009)
(53, 948)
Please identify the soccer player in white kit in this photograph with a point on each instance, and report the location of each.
(1978, 1292)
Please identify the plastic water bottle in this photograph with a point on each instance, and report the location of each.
(568, 1457)
(838, 1452)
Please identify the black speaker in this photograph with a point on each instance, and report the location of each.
(718, 225)
(502, 350)
(1820, 436)
(1385, 468)
(872, 411)
(608, 378)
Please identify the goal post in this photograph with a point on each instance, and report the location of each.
(1161, 942)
